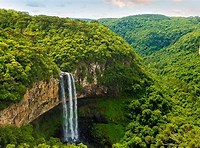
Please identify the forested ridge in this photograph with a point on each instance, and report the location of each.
(34, 48)
(170, 47)
(177, 70)
(150, 32)
(37, 48)
(158, 96)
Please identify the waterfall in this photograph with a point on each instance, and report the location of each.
(70, 118)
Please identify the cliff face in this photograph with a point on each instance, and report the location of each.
(89, 81)
(42, 97)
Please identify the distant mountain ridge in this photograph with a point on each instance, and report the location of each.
(170, 50)
(150, 32)
(159, 94)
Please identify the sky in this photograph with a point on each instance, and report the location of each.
(95, 9)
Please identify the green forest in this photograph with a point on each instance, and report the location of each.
(149, 33)
(151, 66)
(170, 50)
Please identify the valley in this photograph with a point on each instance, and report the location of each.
(137, 80)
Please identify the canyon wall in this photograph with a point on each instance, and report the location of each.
(42, 97)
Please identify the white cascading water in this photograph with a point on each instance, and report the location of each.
(70, 118)
(75, 108)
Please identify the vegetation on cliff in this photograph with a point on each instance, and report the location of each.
(160, 112)
(21, 64)
(178, 67)
(35, 48)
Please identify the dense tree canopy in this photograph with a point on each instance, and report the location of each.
(178, 66)
(35, 48)
(162, 111)
(21, 64)
(171, 49)
(149, 33)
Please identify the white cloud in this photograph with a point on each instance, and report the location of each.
(123, 3)
(178, 0)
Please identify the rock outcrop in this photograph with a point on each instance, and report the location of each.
(40, 98)
(89, 83)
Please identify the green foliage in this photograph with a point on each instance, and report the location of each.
(180, 60)
(171, 49)
(44, 145)
(21, 62)
(34, 48)
(13, 135)
(186, 135)
(48, 124)
(150, 33)
(162, 113)
(24, 137)
(179, 66)
(105, 120)
(146, 115)
(107, 134)
(168, 115)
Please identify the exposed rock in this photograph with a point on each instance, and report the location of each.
(89, 80)
(40, 98)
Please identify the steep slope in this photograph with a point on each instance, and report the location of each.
(180, 60)
(21, 64)
(163, 112)
(179, 65)
(35, 48)
(169, 114)
(178, 68)
(149, 33)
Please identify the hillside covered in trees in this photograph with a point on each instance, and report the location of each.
(170, 47)
(155, 99)
(150, 32)
(35, 48)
